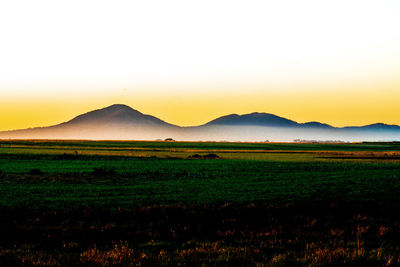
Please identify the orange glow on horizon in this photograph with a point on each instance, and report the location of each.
(344, 107)
(303, 60)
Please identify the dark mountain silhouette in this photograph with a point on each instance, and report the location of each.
(253, 119)
(315, 124)
(375, 126)
(113, 122)
(263, 119)
(117, 114)
(124, 123)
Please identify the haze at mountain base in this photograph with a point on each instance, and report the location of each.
(121, 122)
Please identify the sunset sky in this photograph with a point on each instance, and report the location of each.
(188, 62)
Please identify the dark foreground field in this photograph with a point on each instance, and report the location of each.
(175, 203)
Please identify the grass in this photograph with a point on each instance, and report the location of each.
(226, 235)
(144, 181)
(160, 145)
(155, 203)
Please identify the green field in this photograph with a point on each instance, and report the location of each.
(118, 174)
(169, 203)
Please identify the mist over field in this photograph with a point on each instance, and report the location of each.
(283, 134)
(201, 133)
(121, 122)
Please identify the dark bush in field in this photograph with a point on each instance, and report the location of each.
(208, 156)
(35, 172)
(196, 156)
(211, 156)
(103, 172)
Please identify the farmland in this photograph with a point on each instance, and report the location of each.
(188, 203)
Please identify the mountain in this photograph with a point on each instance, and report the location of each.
(263, 119)
(117, 114)
(376, 126)
(253, 119)
(121, 122)
(113, 122)
(315, 124)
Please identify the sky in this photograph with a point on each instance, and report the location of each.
(188, 62)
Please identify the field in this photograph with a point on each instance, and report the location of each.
(187, 203)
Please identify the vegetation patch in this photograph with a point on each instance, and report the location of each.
(187, 203)
(207, 156)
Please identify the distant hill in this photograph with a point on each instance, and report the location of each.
(263, 119)
(117, 114)
(315, 124)
(375, 126)
(253, 119)
(121, 122)
(118, 122)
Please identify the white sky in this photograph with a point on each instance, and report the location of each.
(65, 45)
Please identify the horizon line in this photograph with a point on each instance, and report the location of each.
(204, 124)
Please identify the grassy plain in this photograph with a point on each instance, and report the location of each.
(194, 203)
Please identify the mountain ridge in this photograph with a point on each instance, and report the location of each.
(117, 113)
(121, 113)
(120, 121)
(255, 119)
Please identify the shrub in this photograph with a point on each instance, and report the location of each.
(208, 156)
(211, 156)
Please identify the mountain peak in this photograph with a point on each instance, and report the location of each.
(316, 124)
(254, 119)
(119, 121)
(119, 107)
(381, 126)
(116, 114)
